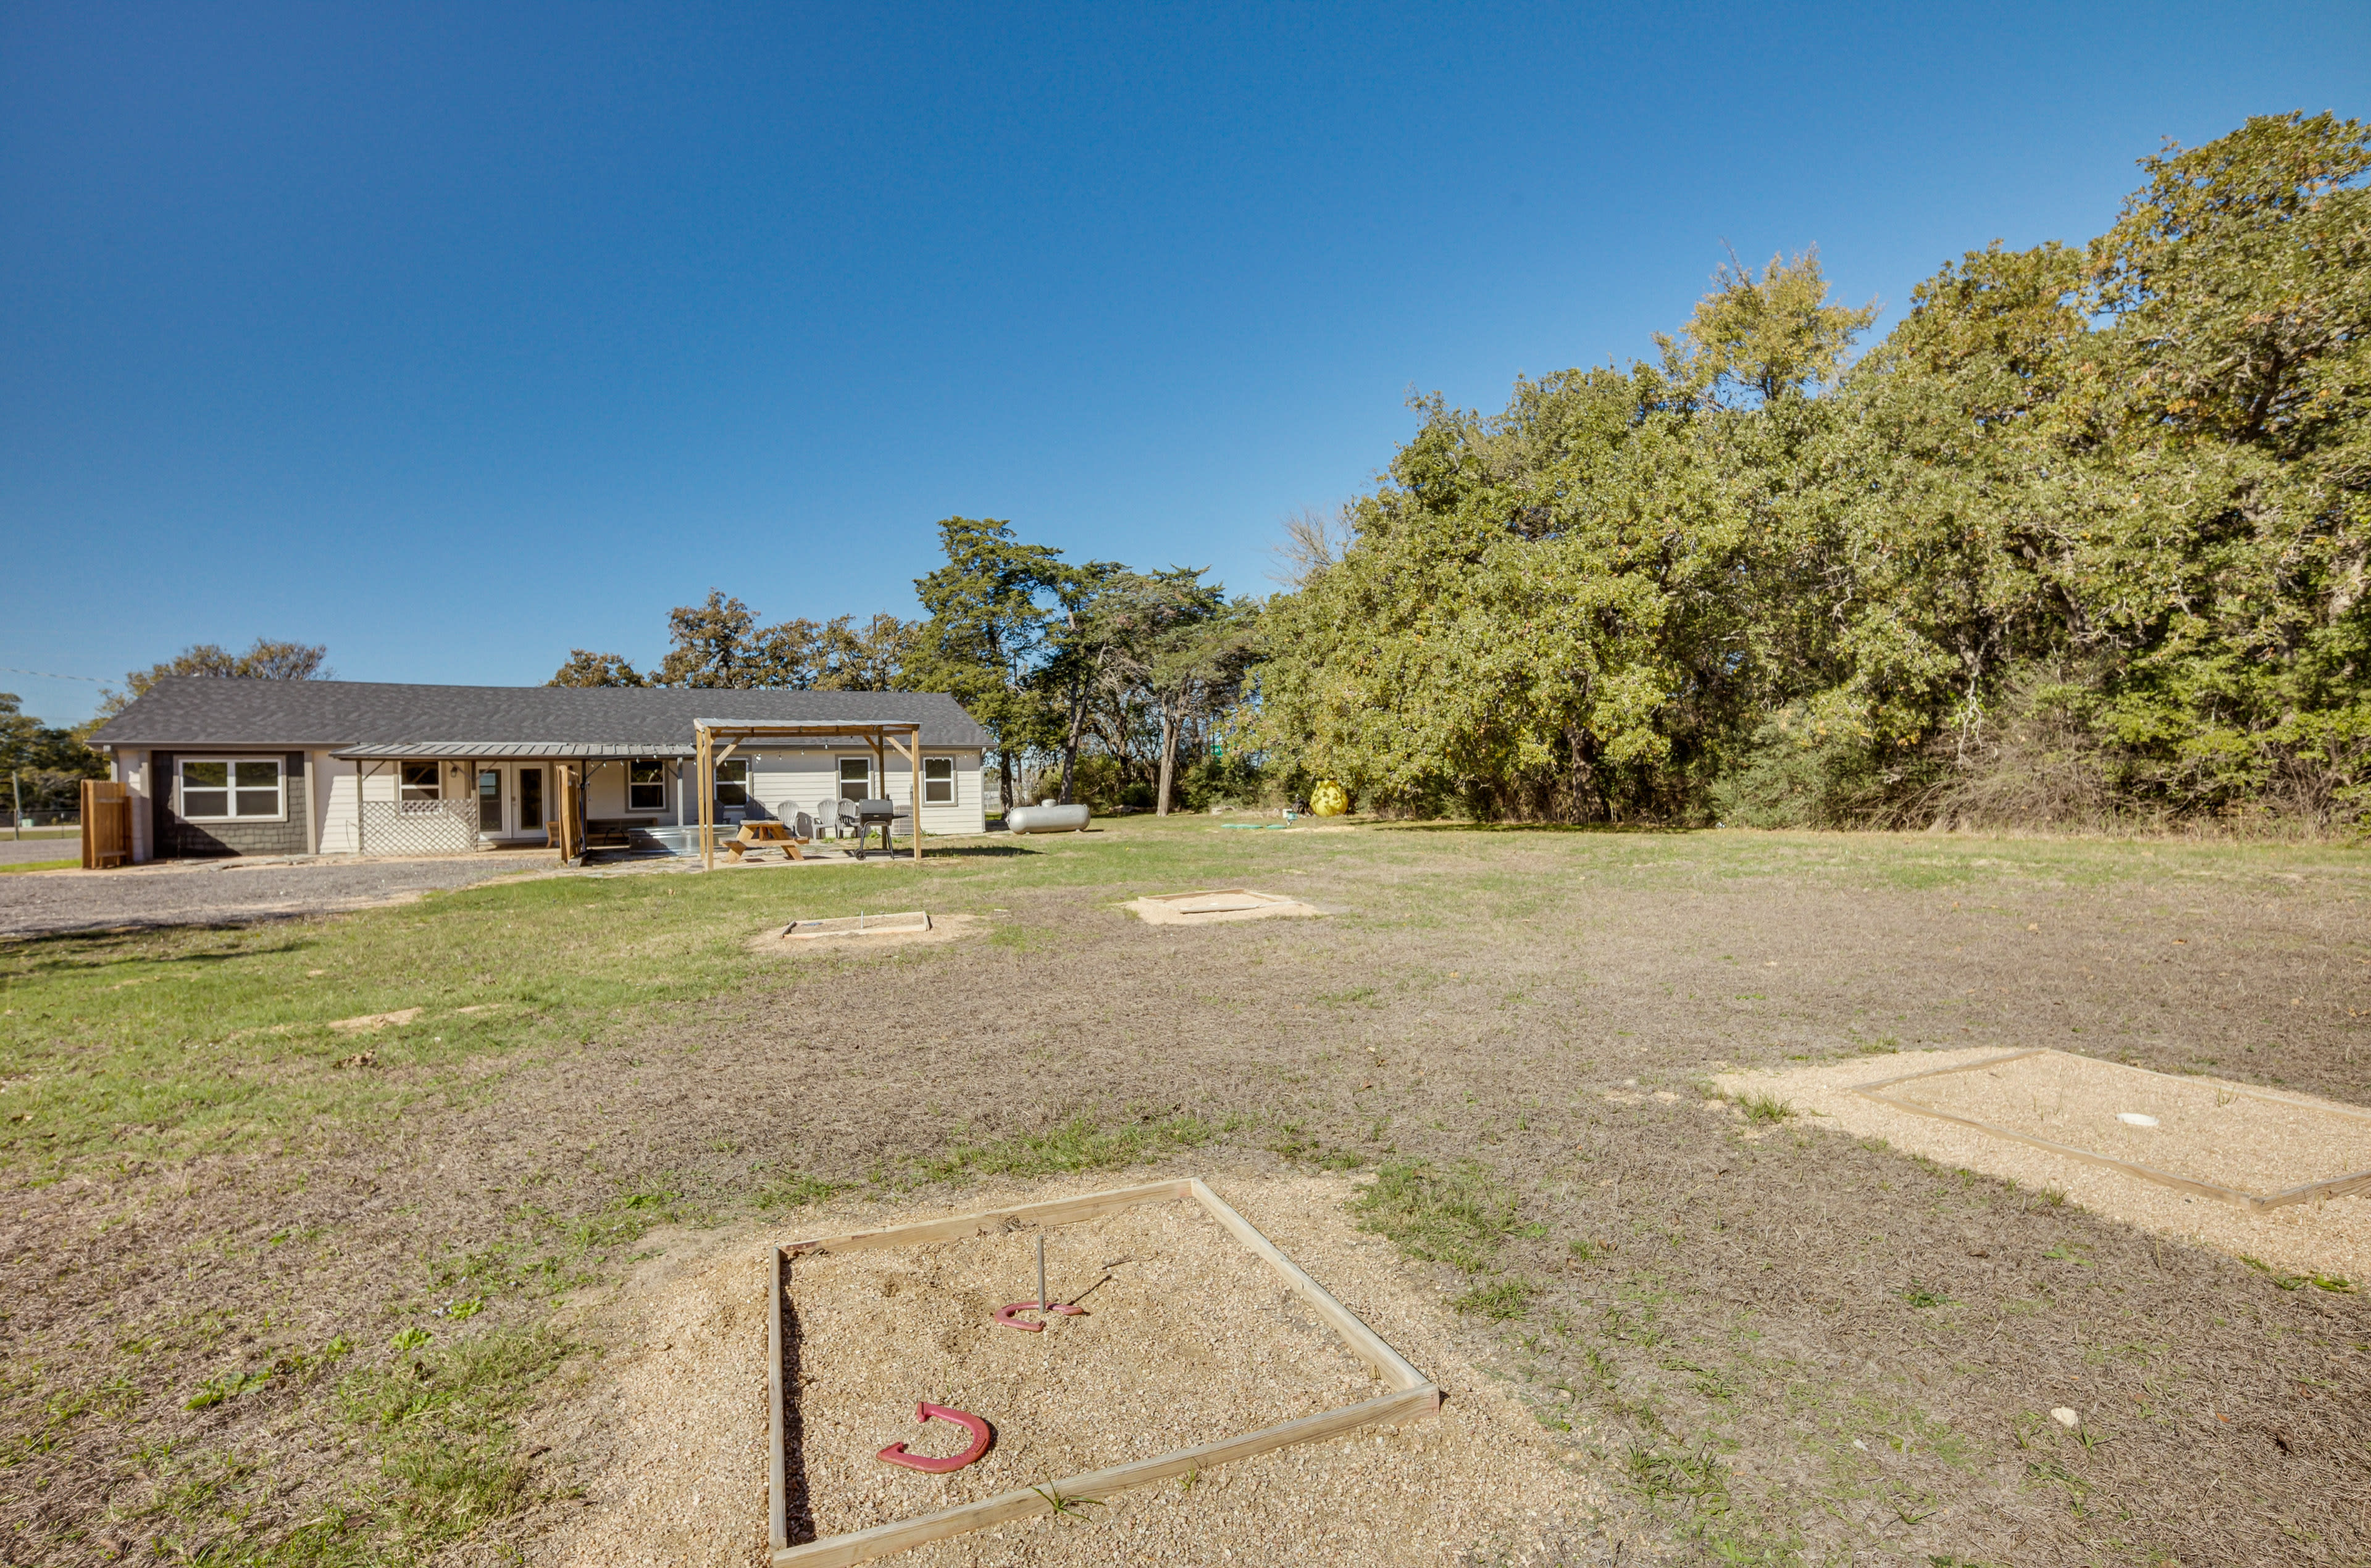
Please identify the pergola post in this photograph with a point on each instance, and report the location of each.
(707, 800)
(913, 756)
(567, 807)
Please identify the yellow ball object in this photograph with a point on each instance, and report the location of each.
(1329, 799)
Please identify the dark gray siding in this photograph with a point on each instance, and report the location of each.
(178, 840)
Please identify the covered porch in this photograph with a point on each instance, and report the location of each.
(681, 798)
(432, 796)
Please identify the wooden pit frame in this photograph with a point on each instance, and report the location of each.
(2255, 1202)
(1413, 1395)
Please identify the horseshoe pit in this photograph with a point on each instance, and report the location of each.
(2256, 1148)
(862, 931)
(1192, 1341)
(1217, 907)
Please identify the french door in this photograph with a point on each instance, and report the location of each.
(524, 814)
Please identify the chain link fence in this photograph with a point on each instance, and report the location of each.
(64, 820)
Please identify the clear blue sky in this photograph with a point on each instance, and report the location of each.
(456, 337)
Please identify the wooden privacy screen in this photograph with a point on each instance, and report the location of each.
(567, 823)
(106, 823)
(1413, 1395)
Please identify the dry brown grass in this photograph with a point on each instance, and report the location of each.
(1770, 1340)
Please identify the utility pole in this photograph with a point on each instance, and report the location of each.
(17, 800)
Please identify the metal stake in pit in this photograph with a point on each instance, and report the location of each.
(1005, 1318)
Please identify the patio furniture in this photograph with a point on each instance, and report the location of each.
(765, 836)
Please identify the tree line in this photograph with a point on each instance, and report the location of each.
(1113, 681)
(43, 765)
(2082, 541)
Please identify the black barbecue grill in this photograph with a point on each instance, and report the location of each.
(867, 815)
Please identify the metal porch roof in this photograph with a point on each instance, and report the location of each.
(504, 751)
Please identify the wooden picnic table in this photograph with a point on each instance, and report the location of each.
(765, 836)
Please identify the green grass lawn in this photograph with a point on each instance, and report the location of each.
(161, 1045)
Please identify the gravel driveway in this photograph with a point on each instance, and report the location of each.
(231, 893)
(17, 851)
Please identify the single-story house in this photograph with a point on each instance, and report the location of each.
(223, 766)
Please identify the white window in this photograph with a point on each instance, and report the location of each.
(232, 788)
(646, 786)
(855, 778)
(424, 780)
(938, 781)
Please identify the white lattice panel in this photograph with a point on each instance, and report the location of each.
(419, 827)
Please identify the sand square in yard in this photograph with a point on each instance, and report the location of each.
(2318, 1238)
(1188, 1338)
(1217, 907)
(675, 1430)
(2250, 1140)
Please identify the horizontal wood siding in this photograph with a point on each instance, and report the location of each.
(784, 785)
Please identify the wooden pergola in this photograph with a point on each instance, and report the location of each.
(881, 734)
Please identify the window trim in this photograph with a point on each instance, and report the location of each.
(435, 789)
(230, 789)
(658, 766)
(740, 781)
(931, 786)
(841, 781)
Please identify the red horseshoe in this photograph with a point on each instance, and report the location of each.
(1005, 1320)
(982, 1435)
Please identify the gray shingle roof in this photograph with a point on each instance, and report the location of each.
(206, 710)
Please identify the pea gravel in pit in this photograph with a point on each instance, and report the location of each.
(1188, 1338)
(849, 936)
(675, 1434)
